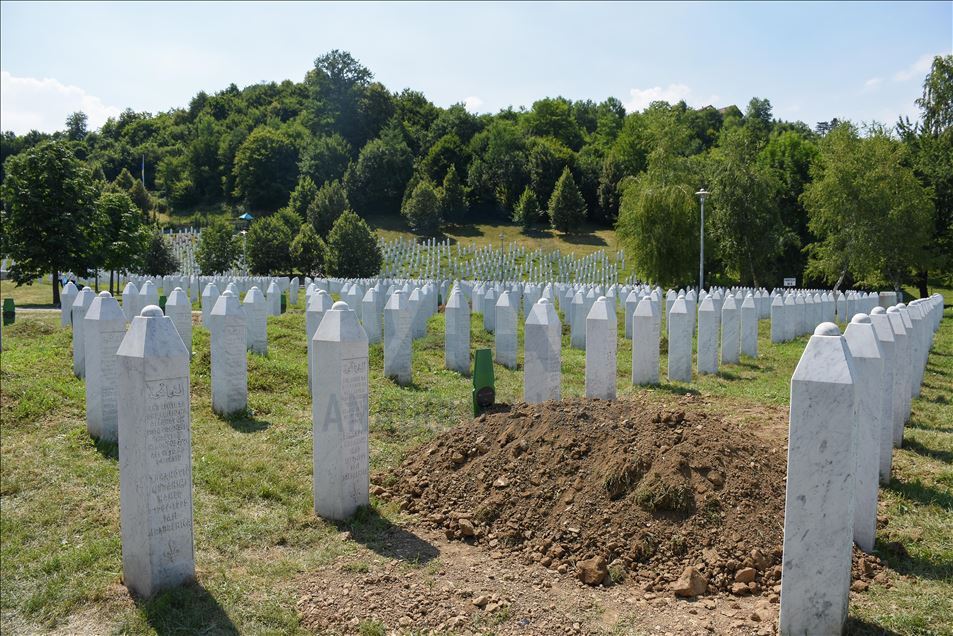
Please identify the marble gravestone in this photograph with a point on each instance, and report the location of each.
(319, 303)
(155, 456)
(601, 336)
(339, 394)
(148, 295)
(370, 317)
(81, 304)
(273, 301)
(489, 310)
(707, 337)
(256, 311)
(778, 329)
(901, 375)
(209, 298)
(130, 301)
(67, 298)
(576, 315)
(679, 342)
(457, 333)
(730, 336)
(103, 329)
(229, 363)
(293, 291)
(505, 333)
(868, 361)
(397, 339)
(542, 356)
(179, 309)
(646, 333)
(749, 327)
(881, 323)
(819, 498)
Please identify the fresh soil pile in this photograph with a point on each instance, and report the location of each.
(610, 491)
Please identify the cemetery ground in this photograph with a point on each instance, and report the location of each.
(266, 564)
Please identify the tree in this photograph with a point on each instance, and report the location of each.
(352, 248)
(141, 197)
(376, 182)
(158, 257)
(868, 210)
(328, 204)
(325, 159)
(453, 197)
(124, 180)
(125, 238)
(76, 126)
(50, 220)
(498, 172)
(302, 196)
(527, 209)
(267, 246)
(336, 85)
(422, 209)
(554, 118)
(931, 148)
(745, 223)
(218, 248)
(308, 251)
(266, 169)
(567, 208)
(546, 160)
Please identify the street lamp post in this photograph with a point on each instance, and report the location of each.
(701, 194)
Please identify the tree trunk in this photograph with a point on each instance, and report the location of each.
(922, 283)
(111, 274)
(840, 280)
(56, 288)
(96, 280)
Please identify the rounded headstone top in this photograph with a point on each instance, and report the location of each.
(151, 311)
(228, 293)
(878, 310)
(893, 310)
(600, 299)
(543, 301)
(340, 306)
(827, 329)
(861, 319)
(901, 305)
(105, 294)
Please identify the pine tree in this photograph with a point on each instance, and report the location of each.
(567, 208)
(453, 197)
(526, 211)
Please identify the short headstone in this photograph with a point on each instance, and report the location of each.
(679, 342)
(646, 334)
(818, 509)
(256, 321)
(505, 331)
(103, 328)
(179, 309)
(340, 415)
(542, 343)
(601, 336)
(81, 304)
(229, 363)
(155, 456)
(397, 339)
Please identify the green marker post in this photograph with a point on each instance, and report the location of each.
(484, 392)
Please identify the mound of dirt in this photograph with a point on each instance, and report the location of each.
(608, 491)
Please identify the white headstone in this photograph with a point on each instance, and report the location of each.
(679, 342)
(81, 303)
(155, 456)
(67, 298)
(274, 299)
(229, 364)
(457, 333)
(818, 508)
(601, 336)
(256, 321)
(707, 337)
(103, 328)
(319, 303)
(505, 333)
(885, 336)
(397, 339)
(209, 298)
(130, 301)
(179, 309)
(646, 334)
(370, 317)
(340, 414)
(749, 327)
(730, 332)
(541, 353)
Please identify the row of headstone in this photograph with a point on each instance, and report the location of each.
(850, 398)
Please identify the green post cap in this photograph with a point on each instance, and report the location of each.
(484, 392)
(284, 302)
(162, 303)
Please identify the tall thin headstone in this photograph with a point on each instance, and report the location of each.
(707, 337)
(749, 327)
(601, 336)
(81, 304)
(730, 336)
(679, 342)
(209, 298)
(155, 456)
(457, 333)
(646, 334)
(67, 298)
(505, 333)
(339, 394)
(103, 328)
(885, 335)
(229, 363)
(542, 356)
(398, 336)
(256, 321)
(319, 303)
(179, 309)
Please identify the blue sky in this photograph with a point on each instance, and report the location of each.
(814, 61)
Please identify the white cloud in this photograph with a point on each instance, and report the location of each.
(640, 98)
(873, 83)
(28, 103)
(916, 70)
(472, 103)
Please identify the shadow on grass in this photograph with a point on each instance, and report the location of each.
(109, 450)
(859, 627)
(189, 609)
(918, 448)
(897, 557)
(246, 422)
(378, 534)
(584, 239)
(676, 389)
(920, 493)
(466, 231)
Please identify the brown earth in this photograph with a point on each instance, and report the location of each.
(629, 505)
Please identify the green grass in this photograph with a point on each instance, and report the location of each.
(255, 530)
